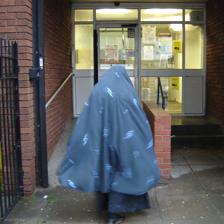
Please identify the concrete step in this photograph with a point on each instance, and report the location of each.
(196, 140)
(196, 132)
(203, 129)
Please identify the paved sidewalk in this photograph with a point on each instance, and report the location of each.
(195, 195)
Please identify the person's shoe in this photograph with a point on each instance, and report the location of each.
(116, 219)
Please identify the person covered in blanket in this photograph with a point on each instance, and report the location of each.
(110, 150)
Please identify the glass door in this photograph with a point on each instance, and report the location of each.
(162, 63)
(117, 46)
(173, 59)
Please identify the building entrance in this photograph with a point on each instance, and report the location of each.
(161, 48)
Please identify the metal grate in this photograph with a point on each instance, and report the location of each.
(10, 151)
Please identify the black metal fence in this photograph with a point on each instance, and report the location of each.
(10, 151)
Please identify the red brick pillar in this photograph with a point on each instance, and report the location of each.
(215, 58)
(160, 122)
(16, 24)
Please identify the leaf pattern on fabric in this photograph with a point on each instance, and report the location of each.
(71, 161)
(125, 111)
(150, 181)
(71, 184)
(117, 74)
(149, 145)
(129, 134)
(85, 139)
(135, 102)
(109, 91)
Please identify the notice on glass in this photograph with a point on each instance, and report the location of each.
(148, 52)
(111, 54)
(149, 34)
(165, 45)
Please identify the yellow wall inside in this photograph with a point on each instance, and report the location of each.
(84, 46)
(194, 49)
(175, 89)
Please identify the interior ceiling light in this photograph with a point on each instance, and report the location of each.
(187, 17)
(176, 27)
(163, 11)
(114, 11)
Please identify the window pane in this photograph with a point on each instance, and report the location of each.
(172, 92)
(84, 46)
(194, 15)
(83, 15)
(194, 47)
(161, 46)
(116, 14)
(161, 14)
(117, 46)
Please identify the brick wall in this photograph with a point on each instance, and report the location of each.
(160, 122)
(16, 24)
(57, 67)
(215, 58)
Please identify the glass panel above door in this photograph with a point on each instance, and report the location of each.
(116, 14)
(155, 14)
(194, 15)
(161, 46)
(83, 15)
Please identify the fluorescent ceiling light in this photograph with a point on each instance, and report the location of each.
(163, 11)
(176, 27)
(191, 27)
(187, 17)
(114, 11)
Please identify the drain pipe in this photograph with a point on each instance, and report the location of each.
(37, 75)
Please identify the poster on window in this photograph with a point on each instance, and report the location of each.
(165, 45)
(148, 52)
(149, 34)
(111, 54)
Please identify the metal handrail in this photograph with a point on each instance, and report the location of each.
(58, 90)
(160, 89)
